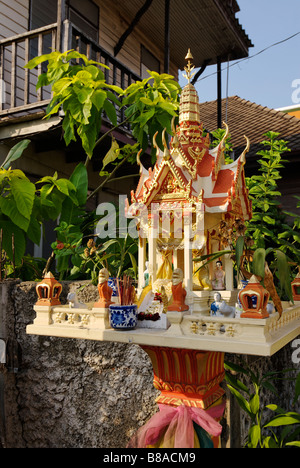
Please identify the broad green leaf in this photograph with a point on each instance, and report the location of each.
(110, 112)
(239, 250)
(254, 436)
(23, 192)
(15, 153)
(34, 231)
(258, 264)
(284, 420)
(9, 208)
(254, 404)
(79, 179)
(98, 98)
(112, 154)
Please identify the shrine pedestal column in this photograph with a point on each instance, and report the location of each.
(188, 377)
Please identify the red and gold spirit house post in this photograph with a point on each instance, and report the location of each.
(189, 378)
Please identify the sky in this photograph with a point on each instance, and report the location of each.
(272, 78)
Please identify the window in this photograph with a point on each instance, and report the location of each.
(42, 12)
(84, 15)
(148, 62)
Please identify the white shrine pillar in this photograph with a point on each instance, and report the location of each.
(153, 222)
(141, 262)
(188, 252)
(228, 268)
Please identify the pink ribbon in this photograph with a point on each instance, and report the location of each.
(176, 423)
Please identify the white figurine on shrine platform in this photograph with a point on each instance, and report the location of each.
(215, 306)
(218, 280)
(178, 292)
(219, 308)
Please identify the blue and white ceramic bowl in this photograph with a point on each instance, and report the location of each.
(123, 317)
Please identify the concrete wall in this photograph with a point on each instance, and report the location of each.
(88, 394)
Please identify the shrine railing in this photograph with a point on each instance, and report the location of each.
(261, 337)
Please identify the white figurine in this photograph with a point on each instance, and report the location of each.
(74, 303)
(219, 308)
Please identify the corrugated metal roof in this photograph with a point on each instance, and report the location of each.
(208, 27)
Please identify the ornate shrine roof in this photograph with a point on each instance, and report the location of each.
(188, 171)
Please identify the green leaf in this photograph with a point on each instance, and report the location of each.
(34, 231)
(293, 444)
(269, 442)
(284, 273)
(235, 382)
(258, 263)
(242, 401)
(15, 153)
(133, 262)
(254, 436)
(23, 192)
(112, 154)
(239, 250)
(255, 404)
(9, 208)
(110, 112)
(98, 98)
(284, 420)
(79, 179)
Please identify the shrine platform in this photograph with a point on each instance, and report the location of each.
(261, 337)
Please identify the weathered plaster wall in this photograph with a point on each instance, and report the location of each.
(73, 393)
(81, 394)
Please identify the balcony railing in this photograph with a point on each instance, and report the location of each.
(18, 84)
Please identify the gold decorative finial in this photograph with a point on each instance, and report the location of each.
(190, 67)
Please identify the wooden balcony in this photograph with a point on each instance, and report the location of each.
(19, 96)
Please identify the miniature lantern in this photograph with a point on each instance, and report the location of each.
(296, 288)
(254, 299)
(48, 291)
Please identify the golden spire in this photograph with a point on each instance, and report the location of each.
(190, 67)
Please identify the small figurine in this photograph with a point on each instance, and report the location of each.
(105, 291)
(74, 303)
(219, 308)
(218, 280)
(178, 292)
(215, 306)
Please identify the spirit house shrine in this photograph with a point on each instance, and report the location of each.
(182, 201)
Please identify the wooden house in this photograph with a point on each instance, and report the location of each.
(130, 37)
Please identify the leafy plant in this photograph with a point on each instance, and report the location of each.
(283, 428)
(81, 91)
(150, 105)
(83, 94)
(25, 206)
(268, 226)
